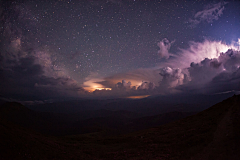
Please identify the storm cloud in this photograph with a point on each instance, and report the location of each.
(211, 76)
(197, 69)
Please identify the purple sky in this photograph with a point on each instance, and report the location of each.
(117, 48)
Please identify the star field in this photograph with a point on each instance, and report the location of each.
(109, 37)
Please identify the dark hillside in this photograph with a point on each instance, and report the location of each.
(21, 143)
(210, 134)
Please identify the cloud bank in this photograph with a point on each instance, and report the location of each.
(207, 67)
(196, 52)
(29, 71)
(212, 76)
(32, 75)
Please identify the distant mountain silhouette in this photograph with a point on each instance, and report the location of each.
(13, 107)
(111, 122)
(149, 106)
(210, 134)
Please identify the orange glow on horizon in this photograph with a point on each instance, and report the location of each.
(92, 85)
(96, 87)
(103, 88)
(138, 97)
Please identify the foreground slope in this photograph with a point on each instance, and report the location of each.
(17, 142)
(210, 134)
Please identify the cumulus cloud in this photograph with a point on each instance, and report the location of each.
(196, 52)
(208, 14)
(199, 68)
(120, 89)
(164, 46)
(221, 74)
(125, 89)
(146, 86)
(191, 69)
(205, 70)
(123, 85)
(136, 77)
(172, 77)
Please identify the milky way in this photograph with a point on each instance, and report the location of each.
(52, 49)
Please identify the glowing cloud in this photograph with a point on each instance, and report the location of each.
(194, 66)
(197, 52)
(171, 77)
(91, 85)
(91, 82)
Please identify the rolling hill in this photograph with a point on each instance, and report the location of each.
(210, 134)
(87, 121)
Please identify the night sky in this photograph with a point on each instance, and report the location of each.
(69, 48)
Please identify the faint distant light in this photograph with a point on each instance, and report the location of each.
(108, 89)
(138, 97)
(59, 48)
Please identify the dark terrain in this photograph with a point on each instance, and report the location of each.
(121, 134)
